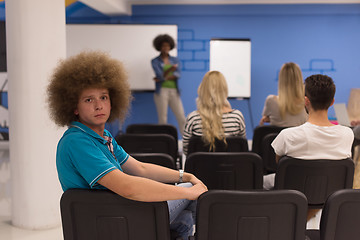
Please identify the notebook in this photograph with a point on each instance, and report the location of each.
(341, 114)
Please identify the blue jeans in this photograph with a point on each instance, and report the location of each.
(182, 215)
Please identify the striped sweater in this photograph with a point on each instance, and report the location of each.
(233, 123)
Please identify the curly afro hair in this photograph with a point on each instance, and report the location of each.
(89, 69)
(160, 39)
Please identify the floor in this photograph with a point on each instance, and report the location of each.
(9, 232)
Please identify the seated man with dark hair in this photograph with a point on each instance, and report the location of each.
(318, 138)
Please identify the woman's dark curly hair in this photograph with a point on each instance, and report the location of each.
(89, 69)
(160, 39)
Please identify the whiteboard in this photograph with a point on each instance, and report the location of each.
(129, 43)
(232, 57)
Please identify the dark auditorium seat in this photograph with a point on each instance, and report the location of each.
(102, 214)
(317, 179)
(233, 144)
(251, 215)
(224, 170)
(340, 218)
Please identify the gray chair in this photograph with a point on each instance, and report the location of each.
(317, 179)
(251, 215)
(101, 214)
(340, 218)
(230, 171)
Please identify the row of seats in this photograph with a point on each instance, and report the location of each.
(240, 170)
(317, 179)
(221, 214)
(162, 138)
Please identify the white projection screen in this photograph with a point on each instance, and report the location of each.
(232, 57)
(129, 43)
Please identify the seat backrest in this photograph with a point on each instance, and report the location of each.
(101, 214)
(259, 133)
(233, 144)
(148, 143)
(251, 215)
(232, 171)
(161, 159)
(317, 179)
(340, 218)
(269, 156)
(153, 128)
(356, 142)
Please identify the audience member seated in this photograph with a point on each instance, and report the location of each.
(85, 92)
(286, 109)
(214, 117)
(318, 138)
(356, 129)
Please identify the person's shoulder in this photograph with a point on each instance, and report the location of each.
(237, 112)
(193, 115)
(271, 97)
(345, 129)
(173, 58)
(75, 134)
(295, 129)
(155, 59)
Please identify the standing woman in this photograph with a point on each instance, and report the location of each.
(214, 117)
(287, 109)
(167, 73)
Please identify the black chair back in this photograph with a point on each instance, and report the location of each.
(259, 133)
(269, 156)
(317, 179)
(101, 214)
(148, 128)
(255, 215)
(233, 144)
(340, 218)
(161, 159)
(230, 171)
(153, 128)
(148, 143)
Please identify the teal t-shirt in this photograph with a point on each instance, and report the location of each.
(83, 157)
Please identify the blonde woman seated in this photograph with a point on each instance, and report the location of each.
(214, 117)
(287, 109)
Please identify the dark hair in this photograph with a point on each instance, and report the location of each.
(93, 69)
(320, 89)
(160, 39)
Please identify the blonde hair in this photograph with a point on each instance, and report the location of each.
(212, 98)
(290, 89)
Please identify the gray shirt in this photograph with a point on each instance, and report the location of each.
(271, 109)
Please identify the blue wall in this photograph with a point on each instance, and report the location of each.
(320, 38)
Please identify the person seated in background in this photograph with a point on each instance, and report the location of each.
(286, 109)
(85, 92)
(214, 117)
(356, 128)
(318, 138)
